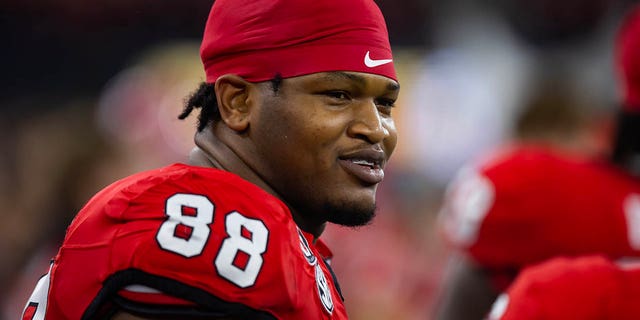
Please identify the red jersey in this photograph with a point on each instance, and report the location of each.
(585, 288)
(188, 240)
(528, 204)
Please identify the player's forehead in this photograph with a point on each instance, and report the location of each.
(360, 79)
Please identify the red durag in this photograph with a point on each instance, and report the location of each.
(261, 38)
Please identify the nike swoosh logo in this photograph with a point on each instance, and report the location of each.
(374, 63)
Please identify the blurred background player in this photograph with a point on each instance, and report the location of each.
(593, 287)
(294, 131)
(581, 288)
(627, 147)
(530, 202)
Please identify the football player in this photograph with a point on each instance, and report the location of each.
(295, 129)
(529, 204)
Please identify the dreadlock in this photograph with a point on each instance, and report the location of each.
(205, 98)
(276, 82)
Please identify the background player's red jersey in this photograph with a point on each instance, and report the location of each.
(585, 288)
(528, 203)
(188, 240)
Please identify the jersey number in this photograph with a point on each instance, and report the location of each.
(36, 308)
(186, 232)
(632, 213)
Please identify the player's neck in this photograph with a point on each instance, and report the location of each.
(211, 151)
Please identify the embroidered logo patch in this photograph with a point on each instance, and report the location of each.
(371, 63)
(306, 250)
(324, 292)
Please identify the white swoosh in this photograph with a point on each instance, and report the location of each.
(374, 63)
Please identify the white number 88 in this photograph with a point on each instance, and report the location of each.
(198, 224)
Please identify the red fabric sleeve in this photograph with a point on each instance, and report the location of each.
(590, 287)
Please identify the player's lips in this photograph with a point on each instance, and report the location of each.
(366, 164)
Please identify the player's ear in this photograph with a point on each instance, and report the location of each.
(234, 101)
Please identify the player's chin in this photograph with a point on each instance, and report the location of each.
(351, 213)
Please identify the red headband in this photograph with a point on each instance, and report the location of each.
(628, 60)
(259, 39)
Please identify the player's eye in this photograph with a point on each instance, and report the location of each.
(337, 94)
(385, 105)
(384, 102)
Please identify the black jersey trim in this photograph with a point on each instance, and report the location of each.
(207, 305)
(627, 133)
(627, 139)
(335, 279)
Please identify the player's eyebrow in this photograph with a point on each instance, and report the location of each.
(349, 76)
(337, 75)
(393, 86)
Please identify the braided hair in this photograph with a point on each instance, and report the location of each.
(205, 98)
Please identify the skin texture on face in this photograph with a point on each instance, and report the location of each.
(321, 142)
